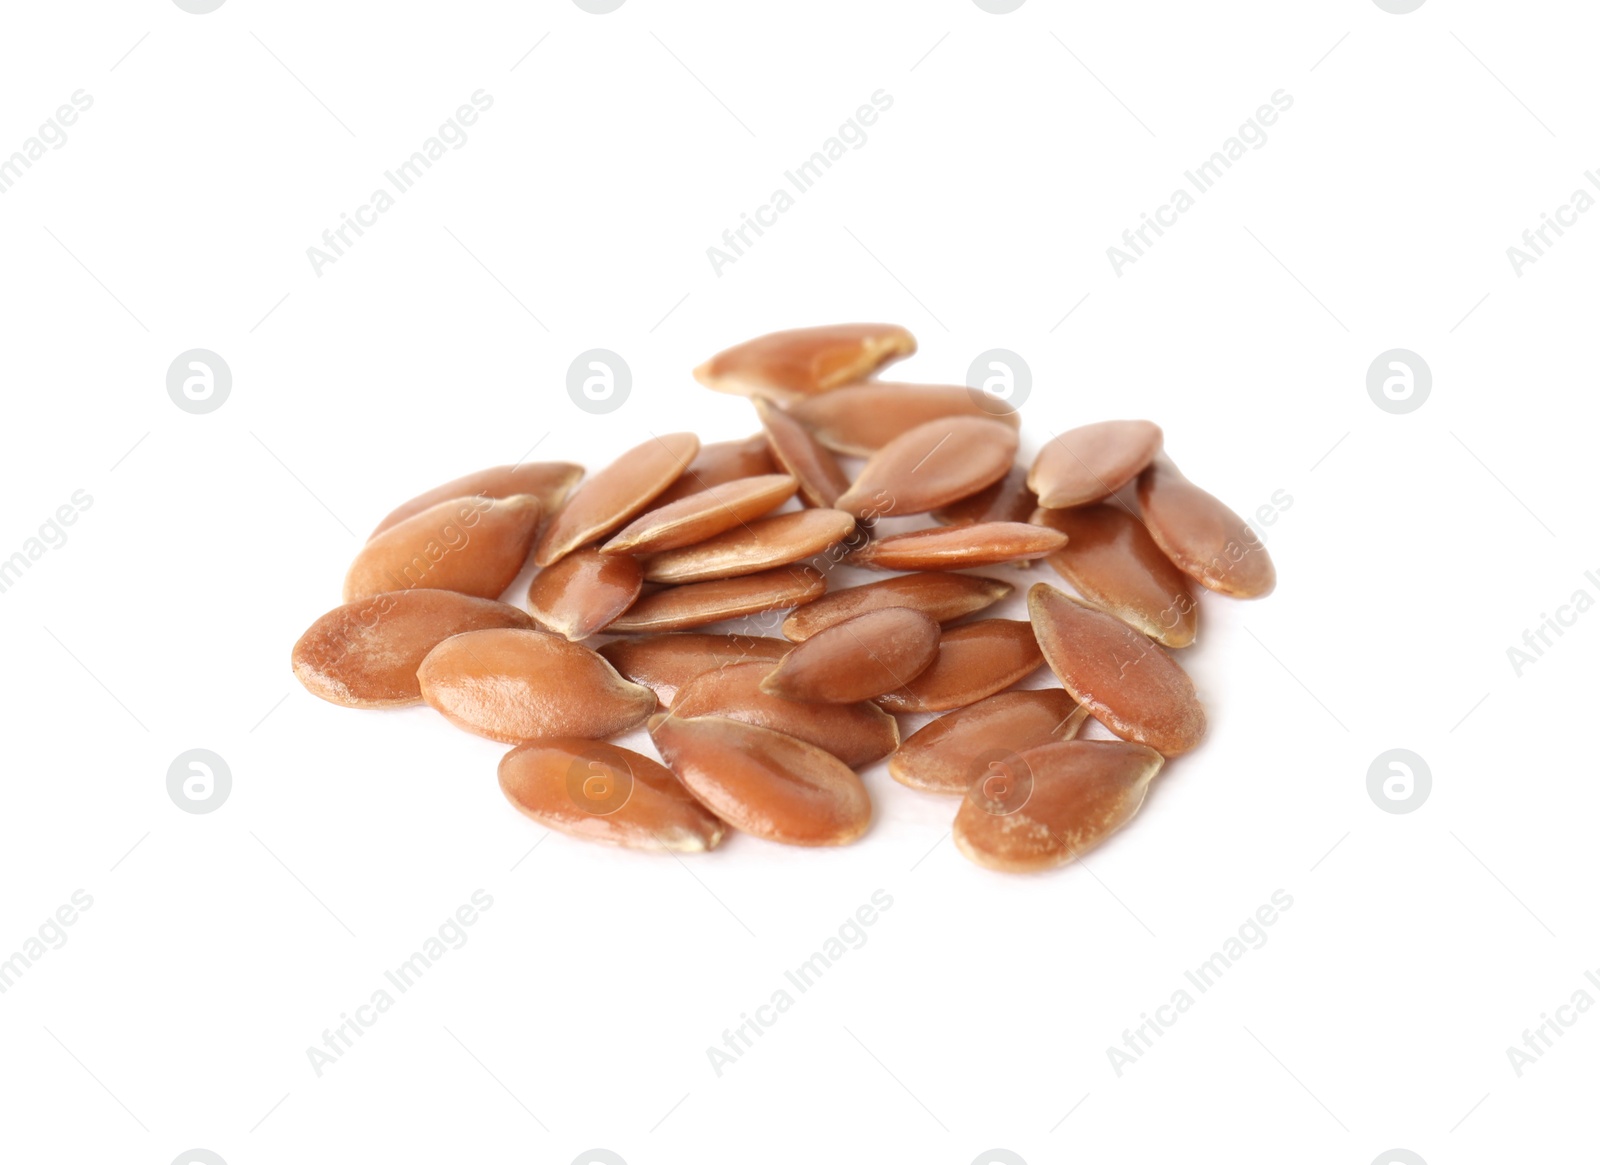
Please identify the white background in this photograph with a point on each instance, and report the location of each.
(1418, 548)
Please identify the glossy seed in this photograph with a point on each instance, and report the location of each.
(615, 495)
(667, 663)
(975, 660)
(1050, 804)
(946, 755)
(1087, 464)
(1111, 560)
(763, 782)
(1128, 683)
(600, 792)
(958, 547)
(859, 420)
(940, 596)
(761, 545)
(721, 462)
(513, 686)
(365, 654)
(797, 452)
(1203, 538)
(473, 545)
(1007, 500)
(584, 592)
(932, 465)
(703, 515)
(549, 481)
(858, 659)
(697, 604)
(803, 361)
(857, 734)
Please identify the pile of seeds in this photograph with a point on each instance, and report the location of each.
(766, 734)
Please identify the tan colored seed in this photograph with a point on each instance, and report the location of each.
(940, 596)
(803, 361)
(932, 465)
(946, 755)
(763, 544)
(1053, 803)
(958, 547)
(695, 605)
(473, 545)
(615, 495)
(1128, 683)
(763, 782)
(975, 660)
(584, 592)
(549, 481)
(821, 479)
(858, 659)
(1007, 500)
(365, 654)
(667, 663)
(514, 686)
(1204, 538)
(859, 420)
(1086, 464)
(722, 462)
(703, 515)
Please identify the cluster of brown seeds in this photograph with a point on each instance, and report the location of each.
(767, 734)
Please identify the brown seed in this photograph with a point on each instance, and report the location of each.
(803, 361)
(720, 462)
(667, 663)
(958, 547)
(1204, 538)
(703, 515)
(857, 734)
(763, 782)
(513, 686)
(619, 492)
(933, 465)
(946, 755)
(1128, 683)
(1007, 500)
(1112, 561)
(940, 596)
(473, 545)
(365, 654)
(858, 659)
(975, 660)
(821, 479)
(584, 592)
(763, 544)
(549, 481)
(697, 604)
(1053, 803)
(1087, 464)
(859, 420)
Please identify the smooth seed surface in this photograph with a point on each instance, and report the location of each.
(549, 481)
(820, 476)
(695, 605)
(975, 660)
(1007, 500)
(943, 597)
(859, 420)
(932, 465)
(703, 515)
(946, 755)
(761, 545)
(616, 494)
(667, 663)
(473, 545)
(1204, 538)
(958, 547)
(584, 592)
(722, 462)
(802, 361)
(1087, 464)
(858, 659)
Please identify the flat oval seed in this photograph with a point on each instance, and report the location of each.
(720, 462)
(1007, 500)
(858, 659)
(802, 361)
(936, 463)
(975, 660)
(948, 754)
(703, 515)
(513, 686)
(584, 592)
(861, 419)
(667, 663)
(365, 654)
(600, 792)
(821, 479)
(1113, 562)
(616, 494)
(957, 547)
(1204, 538)
(473, 545)
(1087, 464)
(549, 481)
(1126, 682)
(763, 782)
(943, 597)
(763, 544)
(1057, 802)
(697, 604)
(857, 734)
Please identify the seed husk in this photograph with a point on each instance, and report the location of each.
(513, 686)
(859, 420)
(472, 545)
(943, 597)
(975, 660)
(695, 605)
(1053, 803)
(584, 592)
(1203, 538)
(946, 755)
(958, 547)
(615, 495)
(721, 462)
(549, 481)
(857, 734)
(1128, 683)
(1086, 464)
(803, 361)
(1113, 562)
(761, 545)
(932, 465)
(797, 452)
(365, 654)
(1007, 500)
(667, 663)
(763, 782)
(858, 659)
(702, 515)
